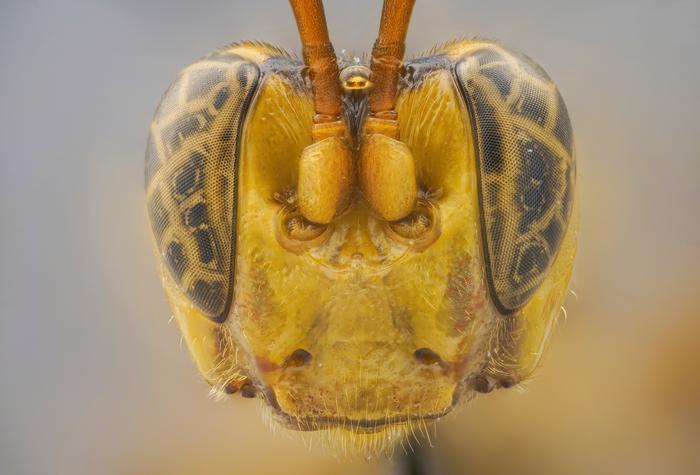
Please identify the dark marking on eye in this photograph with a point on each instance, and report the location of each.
(531, 260)
(245, 70)
(562, 126)
(427, 356)
(496, 232)
(493, 194)
(532, 103)
(221, 97)
(501, 76)
(205, 245)
(490, 134)
(175, 257)
(158, 215)
(209, 297)
(552, 234)
(191, 177)
(182, 128)
(537, 183)
(531, 67)
(298, 358)
(196, 215)
(516, 229)
(227, 134)
(203, 81)
(566, 198)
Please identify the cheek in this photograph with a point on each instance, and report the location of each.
(465, 291)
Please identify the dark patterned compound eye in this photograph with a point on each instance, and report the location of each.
(194, 142)
(525, 153)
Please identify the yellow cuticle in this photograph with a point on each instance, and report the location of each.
(323, 130)
(387, 174)
(325, 179)
(377, 125)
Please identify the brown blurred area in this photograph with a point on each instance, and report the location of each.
(93, 377)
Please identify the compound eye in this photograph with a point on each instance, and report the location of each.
(419, 229)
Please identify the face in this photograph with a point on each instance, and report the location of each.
(362, 325)
(361, 322)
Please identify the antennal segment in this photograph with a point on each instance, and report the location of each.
(387, 56)
(319, 57)
(386, 167)
(326, 169)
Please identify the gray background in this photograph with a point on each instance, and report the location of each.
(93, 378)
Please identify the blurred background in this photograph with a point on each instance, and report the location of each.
(93, 378)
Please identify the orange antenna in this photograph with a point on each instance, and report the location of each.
(319, 57)
(386, 167)
(387, 56)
